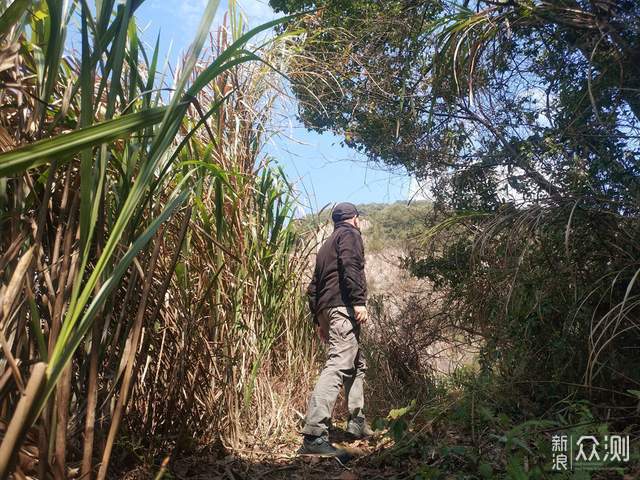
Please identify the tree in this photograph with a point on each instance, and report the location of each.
(514, 99)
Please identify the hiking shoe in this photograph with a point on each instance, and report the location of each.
(359, 428)
(318, 446)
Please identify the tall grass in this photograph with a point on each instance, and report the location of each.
(236, 323)
(98, 181)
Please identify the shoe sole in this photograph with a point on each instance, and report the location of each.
(304, 453)
(319, 455)
(342, 457)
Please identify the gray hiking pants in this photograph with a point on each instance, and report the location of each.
(345, 366)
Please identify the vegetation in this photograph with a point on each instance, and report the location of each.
(523, 117)
(507, 101)
(152, 272)
(532, 147)
(143, 236)
(395, 224)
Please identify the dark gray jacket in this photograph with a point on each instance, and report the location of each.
(338, 278)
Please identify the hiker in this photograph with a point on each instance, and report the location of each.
(337, 299)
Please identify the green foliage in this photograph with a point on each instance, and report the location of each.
(478, 430)
(507, 101)
(394, 225)
(397, 422)
(541, 287)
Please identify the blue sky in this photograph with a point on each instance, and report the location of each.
(323, 170)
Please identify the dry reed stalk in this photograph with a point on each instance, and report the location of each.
(132, 342)
(8, 299)
(19, 420)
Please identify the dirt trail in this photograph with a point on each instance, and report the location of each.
(282, 462)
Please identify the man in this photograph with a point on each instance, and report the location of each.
(337, 299)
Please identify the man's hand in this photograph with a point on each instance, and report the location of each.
(361, 313)
(322, 334)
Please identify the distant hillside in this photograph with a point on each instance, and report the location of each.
(385, 225)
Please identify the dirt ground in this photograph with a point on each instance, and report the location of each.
(374, 459)
(282, 462)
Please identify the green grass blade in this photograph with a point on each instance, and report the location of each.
(193, 54)
(117, 57)
(40, 152)
(86, 119)
(59, 15)
(134, 76)
(36, 330)
(151, 75)
(219, 201)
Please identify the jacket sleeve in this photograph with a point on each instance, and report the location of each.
(312, 297)
(351, 258)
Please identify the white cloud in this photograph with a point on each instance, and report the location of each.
(256, 11)
(193, 9)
